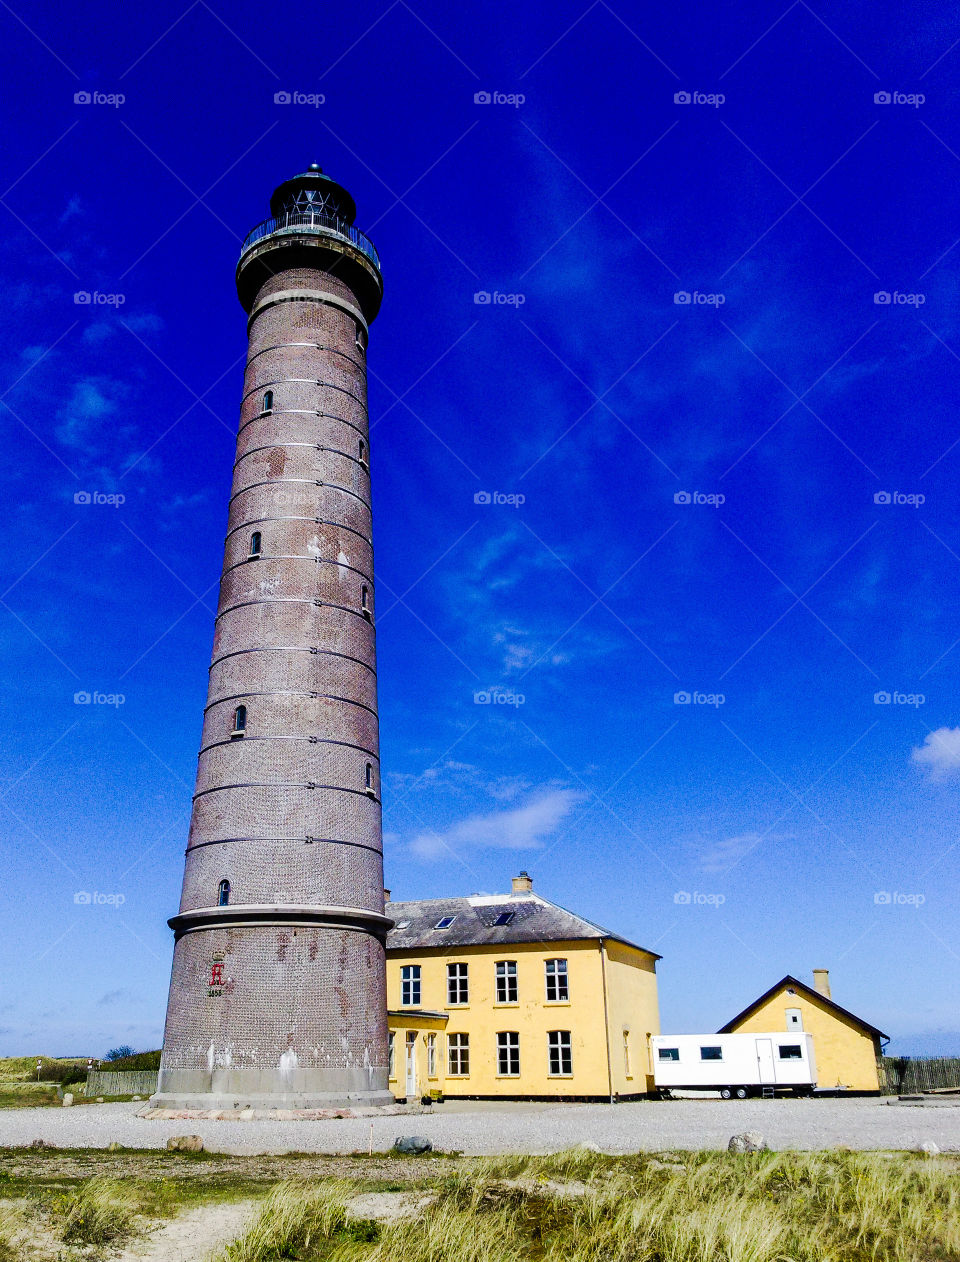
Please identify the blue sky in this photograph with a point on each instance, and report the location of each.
(676, 498)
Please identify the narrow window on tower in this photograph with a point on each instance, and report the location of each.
(267, 402)
(363, 451)
(255, 540)
(365, 603)
(223, 894)
(368, 779)
(239, 721)
(361, 344)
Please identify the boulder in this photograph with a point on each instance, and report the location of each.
(747, 1141)
(929, 1148)
(185, 1143)
(99, 1099)
(413, 1144)
(589, 1146)
(67, 1099)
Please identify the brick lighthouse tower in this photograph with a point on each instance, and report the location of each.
(277, 998)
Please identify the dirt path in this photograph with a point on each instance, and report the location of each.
(192, 1236)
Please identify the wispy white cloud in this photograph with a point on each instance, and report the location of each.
(526, 826)
(939, 754)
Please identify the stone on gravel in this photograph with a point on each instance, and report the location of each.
(414, 1144)
(929, 1148)
(40, 1143)
(747, 1141)
(589, 1146)
(67, 1099)
(185, 1143)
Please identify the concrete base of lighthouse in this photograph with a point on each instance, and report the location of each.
(259, 1089)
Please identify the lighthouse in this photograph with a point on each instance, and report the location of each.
(277, 995)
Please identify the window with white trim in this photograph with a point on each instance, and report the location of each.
(508, 1054)
(458, 985)
(507, 981)
(431, 1056)
(559, 1054)
(558, 989)
(391, 1055)
(626, 1054)
(458, 1055)
(410, 985)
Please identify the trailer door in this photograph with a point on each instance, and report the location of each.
(765, 1067)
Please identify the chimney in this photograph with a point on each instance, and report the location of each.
(386, 896)
(523, 884)
(821, 982)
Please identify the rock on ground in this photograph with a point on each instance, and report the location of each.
(748, 1141)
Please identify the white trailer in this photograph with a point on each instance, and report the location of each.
(736, 1065)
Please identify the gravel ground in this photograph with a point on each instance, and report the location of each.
(489, 1129)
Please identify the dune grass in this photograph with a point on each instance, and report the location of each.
(772, 1207)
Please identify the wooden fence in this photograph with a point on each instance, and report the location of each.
(907, 1075)
(121, 1082)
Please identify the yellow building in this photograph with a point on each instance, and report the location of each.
(511, 996)
(847, 1049)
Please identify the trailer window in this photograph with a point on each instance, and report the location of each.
(791, 1051)
(711, 1053)
(668, 1053)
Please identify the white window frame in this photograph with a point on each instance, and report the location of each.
(559, 1051)
(627, 1067)
(557, 981)
(458, 1055)
(458, 985)
(431, 1056)
(391, 1055)
(410, 986)
(508, 1054)
(508, 991)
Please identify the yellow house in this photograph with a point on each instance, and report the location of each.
(847, 1049)
(511, 996)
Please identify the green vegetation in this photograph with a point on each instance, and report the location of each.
(136, 1060)
(100, 1212)
(573, 1207)
(774, 1207)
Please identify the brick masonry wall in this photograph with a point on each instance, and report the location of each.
(284, 813)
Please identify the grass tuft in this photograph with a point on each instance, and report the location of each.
(100, 1212)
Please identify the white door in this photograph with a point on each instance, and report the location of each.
(765, 1060)
(411, 1064)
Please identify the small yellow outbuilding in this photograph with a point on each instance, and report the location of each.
(512, 996)
(847, 1048)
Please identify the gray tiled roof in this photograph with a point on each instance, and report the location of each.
(535, 919)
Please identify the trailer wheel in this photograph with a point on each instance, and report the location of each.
(741, 1093)
(726, 1093)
